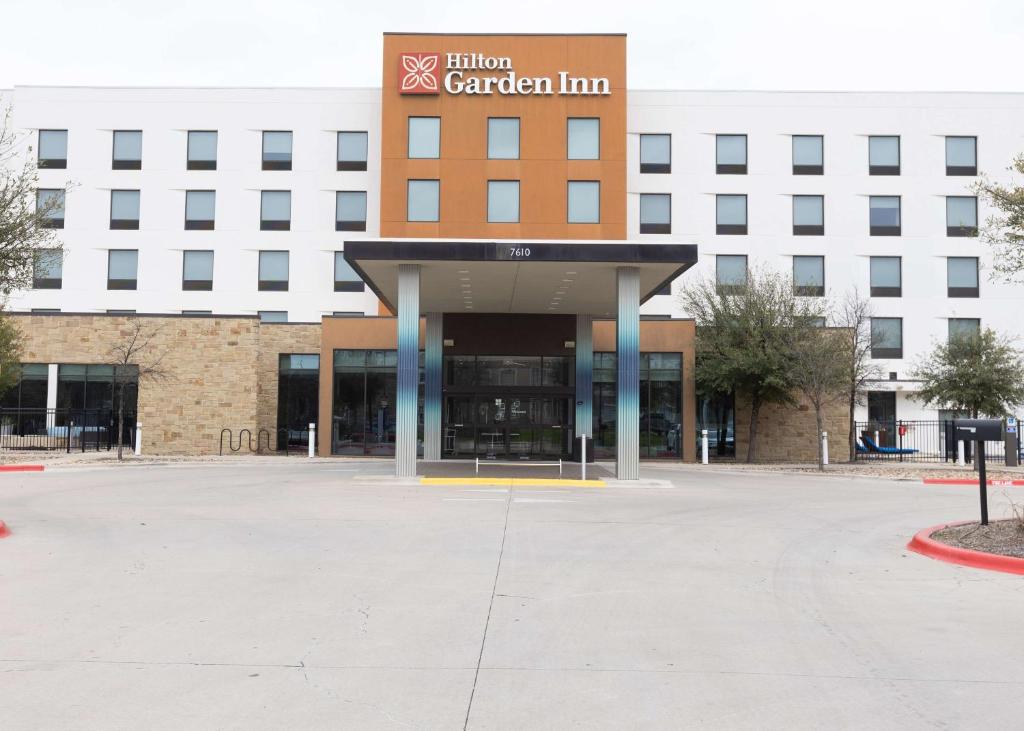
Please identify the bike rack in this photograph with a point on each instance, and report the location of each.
(245, 437)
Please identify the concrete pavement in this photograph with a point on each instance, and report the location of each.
(297, 595)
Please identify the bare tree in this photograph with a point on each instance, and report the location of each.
(28, 217)
(820, 373)
(853, 315)
(1004, 229)
(137, 359)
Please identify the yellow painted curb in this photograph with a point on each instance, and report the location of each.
(510, 481)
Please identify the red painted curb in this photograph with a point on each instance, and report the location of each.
(961, 481)
(922, 543)
(21, 467)
(4, 530)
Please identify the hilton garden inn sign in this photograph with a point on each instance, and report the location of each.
(469, 73)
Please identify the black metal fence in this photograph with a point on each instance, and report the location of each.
(916, 441)
(69, 430)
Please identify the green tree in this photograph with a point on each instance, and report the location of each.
(24, 231)
(747, 338)
(980, 374)
(1004, 230)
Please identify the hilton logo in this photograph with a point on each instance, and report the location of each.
(420, 73)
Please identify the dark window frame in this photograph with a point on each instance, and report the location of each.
(276, 164)
(273, 285)
(195, 285)
(886, 169)
(200, 225)
(346, 285)
(656, 228)
(965, 292)
(276, 225)
(887, 353)
(345, 225)
(351, 165)
(809, 229)
(123, 284)
(732, 288)
(51, 221)
(886, 230)
(962, 231)
(656, 168)
(807, 169)
(200, 164)
(962, 170)
(733, 229)
(47, 282)
(733, 168)
(124, 224)
(116, 164)
(886, 291)
(809, 290)
(51, 163)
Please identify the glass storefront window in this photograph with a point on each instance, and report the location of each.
(298, 379)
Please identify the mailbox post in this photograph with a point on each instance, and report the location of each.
(980, 431)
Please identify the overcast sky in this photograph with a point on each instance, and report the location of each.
(713, 44)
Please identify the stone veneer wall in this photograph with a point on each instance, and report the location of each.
(787, 433)
(222, 370)
(275, 339)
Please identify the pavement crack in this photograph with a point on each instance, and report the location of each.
(490, 607)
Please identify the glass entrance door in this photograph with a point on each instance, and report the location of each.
(506, 427)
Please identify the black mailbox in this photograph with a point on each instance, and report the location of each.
(973, 430)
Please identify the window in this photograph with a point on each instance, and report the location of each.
(275, 210)
(196, 313)
(199, 210)
(53, 148)
(345, 277)
(886, 337)
(350, 210)
(655, 213)
(584, 201)
(273, 275)
(120, 312)
(808, 215)
(197, 271)
(503, 138)
(808, 155)
(886, 276)
(655, 153)
(962, 276)
(277, 150)
(352, 148)
(502, 201)
(124, 209)
(961, 156)
(50, 207)
(963, 327)
(47, 269)
(961, 215)
(884, 215)
(347, 313)
(273, 316)
(584, 135)
(127, 150)
(425, 137)
(731, 273)
(883, 155)
(731, 154)
(809, 276)
(423, 200)
(730, 214)
(122, 268)
(202, 150)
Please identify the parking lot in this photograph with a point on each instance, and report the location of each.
(293, 594)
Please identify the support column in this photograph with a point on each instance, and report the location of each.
(408, 369)
(584, 376)
(432, 387)
(52, 369)
(627, 349)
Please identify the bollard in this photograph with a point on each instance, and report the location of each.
(138, 439)
(960, 453)
(703, 446)
(312, 440)
(824, 448)
(583, 457)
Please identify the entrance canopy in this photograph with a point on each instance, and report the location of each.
(517, 276)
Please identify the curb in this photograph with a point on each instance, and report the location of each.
(4, 530)
(22, 467)
(961, 481)
(922, 543)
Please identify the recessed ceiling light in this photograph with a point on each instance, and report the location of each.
(463, 271)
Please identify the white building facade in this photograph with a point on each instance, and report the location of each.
(865, 191)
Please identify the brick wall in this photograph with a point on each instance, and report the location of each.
(788, 433)
(275, 339)
(210, 362)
